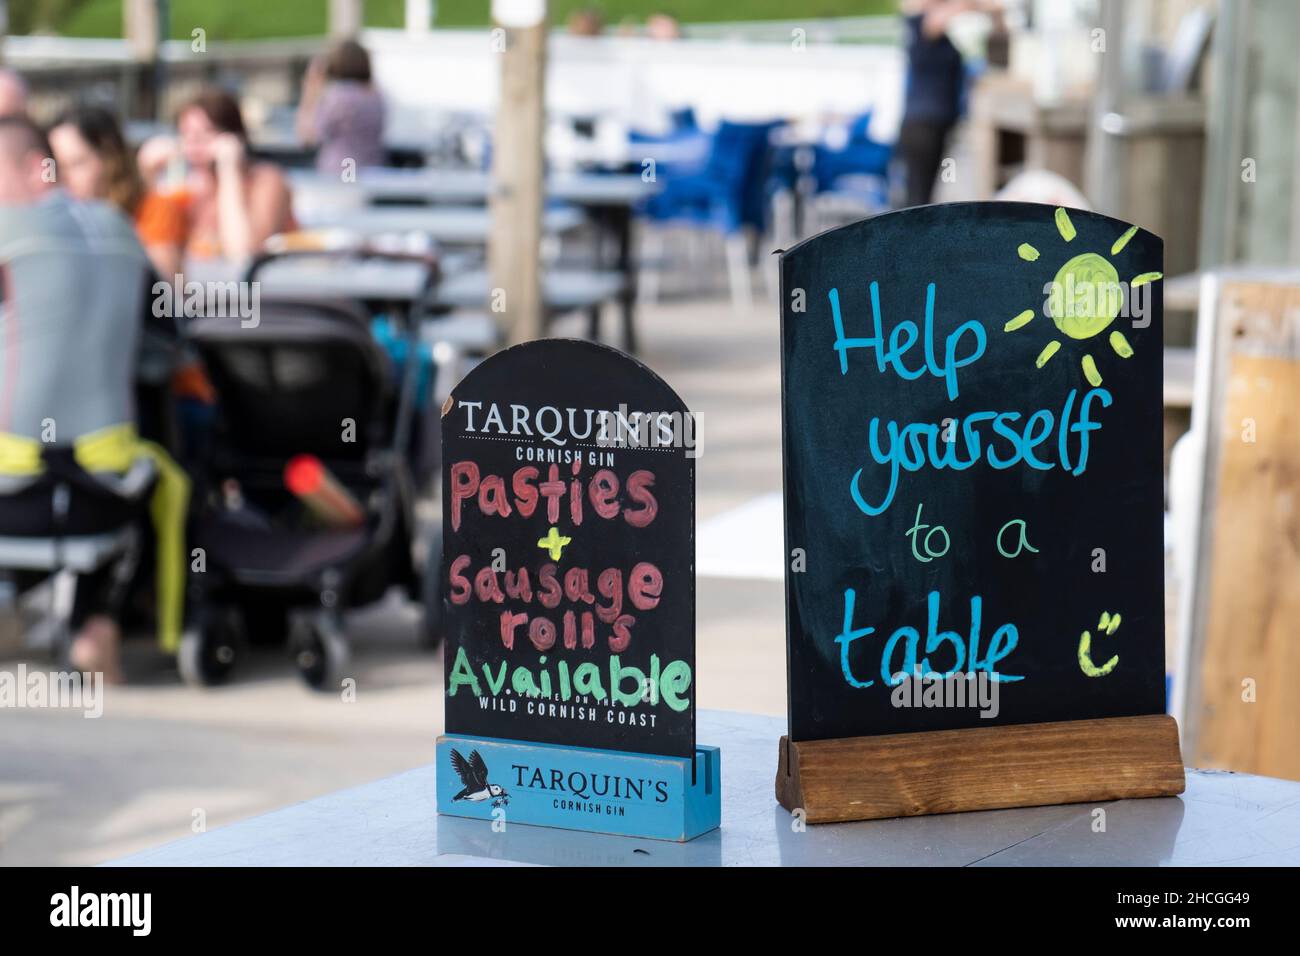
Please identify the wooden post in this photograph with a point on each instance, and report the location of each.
(345, 18)
(143, 28)
(143, 24)
(514, 241)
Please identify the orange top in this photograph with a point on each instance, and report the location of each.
(202, 236)
(160, 220)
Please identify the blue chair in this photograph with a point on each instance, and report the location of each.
(725, 196)
(811, 181)
(859, 156)
(856, 174)
(684, 138)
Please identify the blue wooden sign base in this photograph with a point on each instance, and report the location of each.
(579, 788)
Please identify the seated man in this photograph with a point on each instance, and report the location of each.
(72, 285)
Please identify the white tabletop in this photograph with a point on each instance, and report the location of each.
(317, 278)
(1223, 818)
(471, 186)
(451, 225)
(562, 289)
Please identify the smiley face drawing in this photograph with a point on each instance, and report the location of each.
(1108, 625)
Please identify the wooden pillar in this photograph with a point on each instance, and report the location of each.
(514, 241)
(144, 26)
(345, 18)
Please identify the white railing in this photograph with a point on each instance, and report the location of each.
(736, 71)
(637, 81)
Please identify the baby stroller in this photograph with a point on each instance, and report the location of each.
(307, 379)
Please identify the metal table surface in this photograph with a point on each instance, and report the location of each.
(1222, 818)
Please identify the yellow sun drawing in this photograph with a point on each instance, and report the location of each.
(1085, 298)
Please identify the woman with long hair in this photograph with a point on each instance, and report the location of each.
(93, 161)
(233, 203)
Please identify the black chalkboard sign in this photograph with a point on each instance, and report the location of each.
(973, 472)
(569, 552)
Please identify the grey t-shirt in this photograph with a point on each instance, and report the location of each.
(74, 278)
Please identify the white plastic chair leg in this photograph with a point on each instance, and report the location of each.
(48, 633)
(648, 276)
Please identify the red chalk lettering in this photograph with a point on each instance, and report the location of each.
(464, 484)
(460, 586)
(525, 488)
(646, 586)
(639, 484)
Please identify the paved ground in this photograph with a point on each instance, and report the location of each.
(164, 760)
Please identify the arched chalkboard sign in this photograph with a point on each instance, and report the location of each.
(973, 469)
(569, 550)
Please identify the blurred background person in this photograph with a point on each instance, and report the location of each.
(932, 94)
(663, 26)
(233, 203)
(585, 22)
(71, 312)
(13, 93)
(342, 111)
(94, 162)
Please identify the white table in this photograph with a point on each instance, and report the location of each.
(563, 290)
(472, 186)
(310, 278)
(446, 225)
(1223, 818)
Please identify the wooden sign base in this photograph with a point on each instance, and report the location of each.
(981, 768)
(581, 788)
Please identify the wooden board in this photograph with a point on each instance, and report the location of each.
(982, 768)
(1246, 589)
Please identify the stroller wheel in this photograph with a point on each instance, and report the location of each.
(321, 652)
(206, 655)
(431, 595)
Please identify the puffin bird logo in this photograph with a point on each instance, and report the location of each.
(473, 774)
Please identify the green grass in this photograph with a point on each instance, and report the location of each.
(257, 19)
